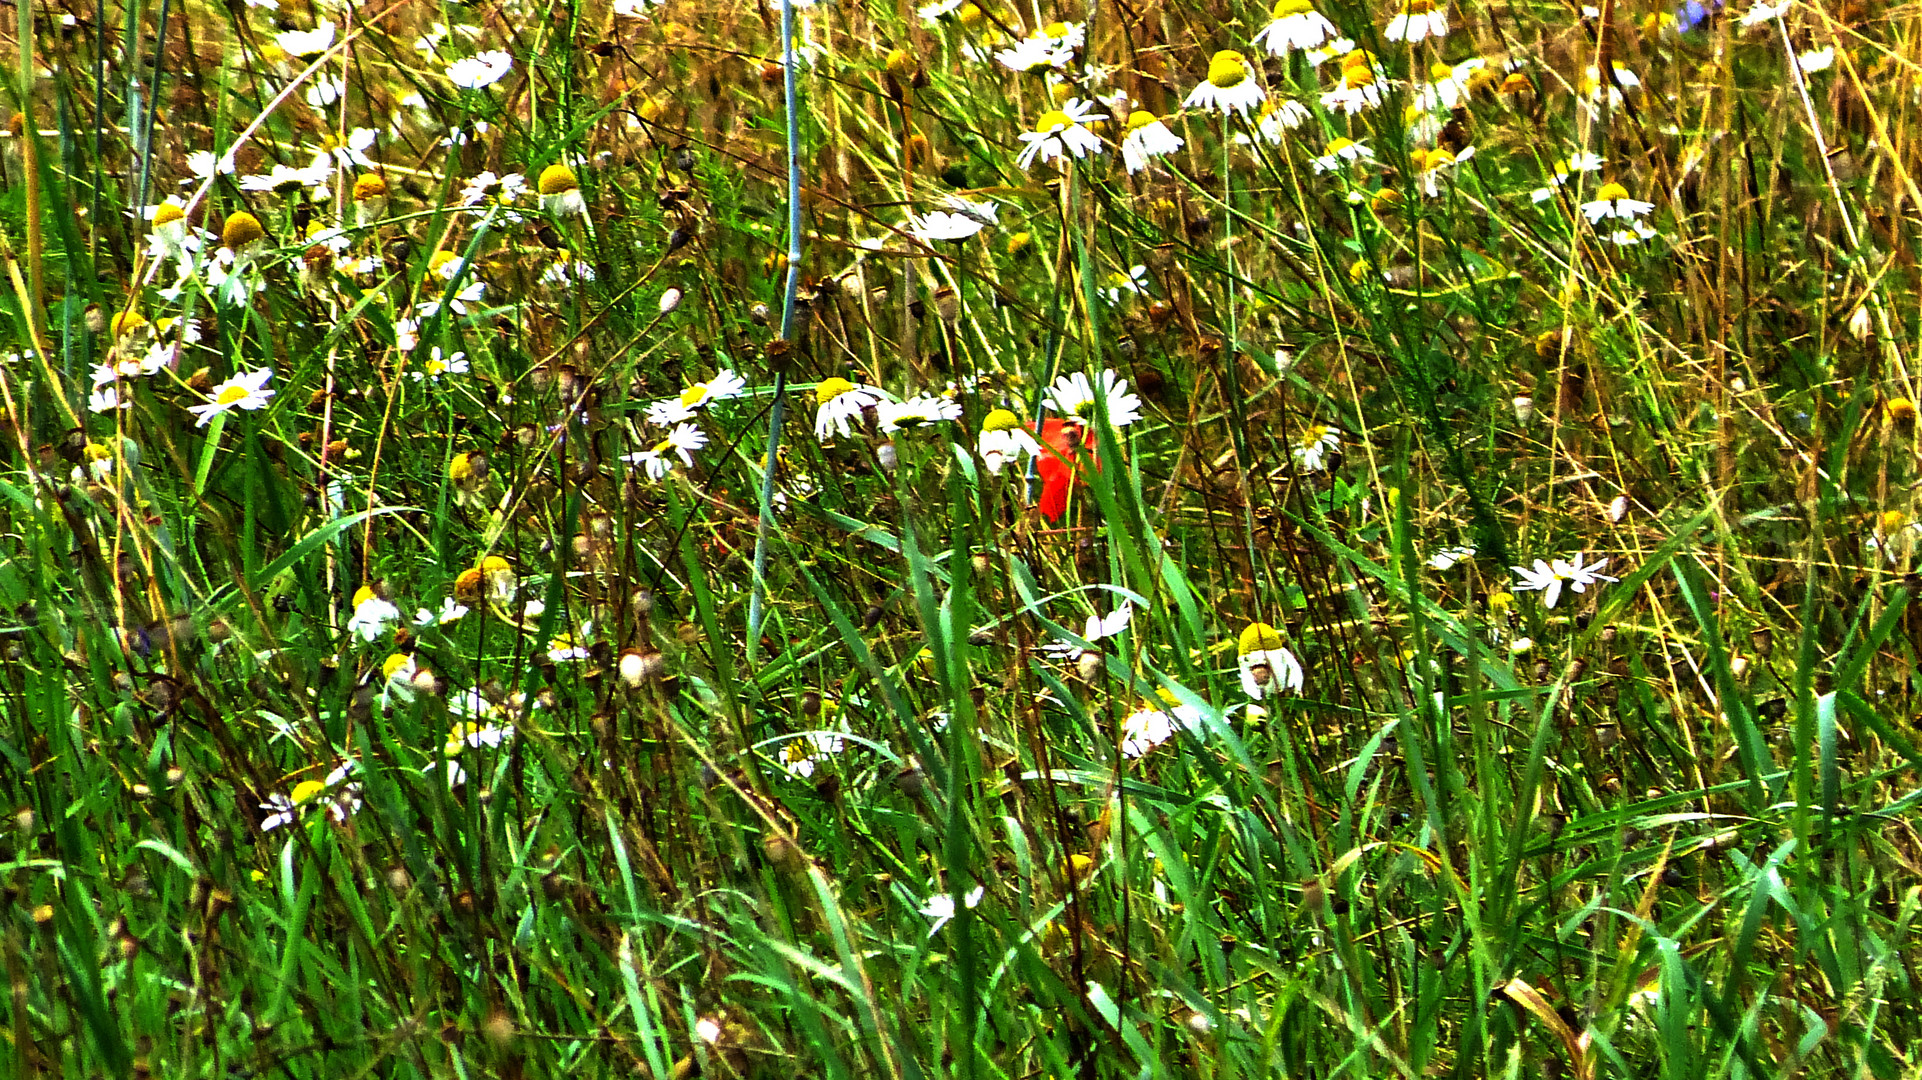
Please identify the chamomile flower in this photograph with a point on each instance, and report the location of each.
(484, 69)
(435, 366)
(800, 754)
(1074, 395)
(839, 402)
(1148, 138)
(1279, 116)
(1316, 445)
(1294, 24)
(560, 191)
(1266, 664)
(1418, 19)
(916, 412)
(1230, 87)
(1357, 91)
(1562, 170)
(696, 397)
(682, 441)
(1549, 577)
(1341, 153)
(1612, 201)
(1061, 132)
(1004, 439)
(247, 390)
(373, 614)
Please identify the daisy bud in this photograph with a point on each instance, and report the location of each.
(670, 300)
(240, 230)
(1088, 665)
(1524, 408)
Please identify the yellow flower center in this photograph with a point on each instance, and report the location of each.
(1000, 420)
(1258, 637)
(829, 389)
(1228, 68)
(1053, 121)
(557, 179)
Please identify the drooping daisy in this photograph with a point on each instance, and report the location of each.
(1266, 664)
(1340, 153)
(373, 614)
(1294, 24)
(1551, 576)
(247, 390)
(1004, 439)
(1312, 450)
(1148, 138)
(484, 69)
(839, 402)
(1230, 87)
(1357, 91)
(1434, 166)
(1612, 201)
(1418, 19)
(916, 412)
(1074, 395)
(1279, 116)
(1061, 132)
(560, 191)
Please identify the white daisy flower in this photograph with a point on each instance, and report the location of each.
(1612, 201)
(916, 412)
(372, 614)
(1230, 88)
(484, 69)
(1074, 395)
(1061, 132)
(247, 390)
(1294, 24)
(839, 402)
(1004, 439)
(1312, 450)
(1341, 153)
(1148, 138)
(1418, 19)
(1551, 576)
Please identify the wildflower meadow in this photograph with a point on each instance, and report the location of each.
(776, 539)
